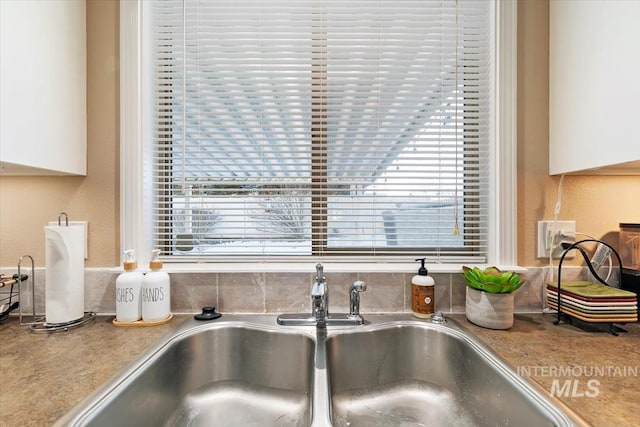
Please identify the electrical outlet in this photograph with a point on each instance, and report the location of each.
(565, 231)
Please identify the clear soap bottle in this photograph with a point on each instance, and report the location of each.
(128, 285)
(156, 291)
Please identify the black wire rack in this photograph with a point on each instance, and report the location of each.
(567, 317)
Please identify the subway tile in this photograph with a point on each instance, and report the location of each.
(26, 305)
(442, 292)
(528, 298)
(569, 273)
(339, 284)
(384, 294)
(100, 291)
(288, 292)
(192, 291)
(458, 293)
(241, 292)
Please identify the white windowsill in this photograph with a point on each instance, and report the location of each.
(309, 267)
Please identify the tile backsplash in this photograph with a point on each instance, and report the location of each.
(289, 292)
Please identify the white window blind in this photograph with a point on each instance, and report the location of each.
(296, 128)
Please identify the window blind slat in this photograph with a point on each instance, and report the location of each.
(305, 128)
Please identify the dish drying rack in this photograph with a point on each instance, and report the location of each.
(14, 299)
(564, 313)
(11, 290)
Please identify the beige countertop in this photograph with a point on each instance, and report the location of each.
(44, 375)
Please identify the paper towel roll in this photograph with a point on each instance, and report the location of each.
(64, 275)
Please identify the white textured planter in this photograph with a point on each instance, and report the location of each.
(493, 311)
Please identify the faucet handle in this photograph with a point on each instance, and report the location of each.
(319, 273)
(354, 298)
(319, 287)
(358, 286)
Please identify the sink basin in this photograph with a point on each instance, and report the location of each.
(246, 370)
(217, 375)
(421, 375)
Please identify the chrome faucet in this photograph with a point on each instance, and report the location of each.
(319, 315)
(320, 295)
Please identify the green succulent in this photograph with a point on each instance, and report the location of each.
(491, 280)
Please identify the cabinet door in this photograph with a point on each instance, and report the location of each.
(594, 92)
(43, 87)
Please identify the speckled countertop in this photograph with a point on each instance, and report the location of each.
(43, 375)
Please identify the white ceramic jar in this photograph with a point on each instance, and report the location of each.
(493, 311)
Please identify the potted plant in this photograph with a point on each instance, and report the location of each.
(489, 300)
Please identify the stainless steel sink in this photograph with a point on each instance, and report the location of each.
(248, 371)
(411, 374)
(214, 374)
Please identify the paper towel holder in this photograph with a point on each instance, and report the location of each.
(62, 324)
(38, 323)
(66, 219)
(89, 316)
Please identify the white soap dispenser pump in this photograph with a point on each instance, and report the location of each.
(156, 291)
(128, 285)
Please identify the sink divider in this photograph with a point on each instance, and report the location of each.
(321, 402)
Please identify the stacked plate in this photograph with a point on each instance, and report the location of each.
(593, 302)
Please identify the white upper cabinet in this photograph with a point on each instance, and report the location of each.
(594, 93)
(43, 114)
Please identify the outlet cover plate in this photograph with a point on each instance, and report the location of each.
(544, 228)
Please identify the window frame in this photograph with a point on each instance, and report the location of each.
(135, 153)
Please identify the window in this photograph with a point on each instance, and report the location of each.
(301, 128)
